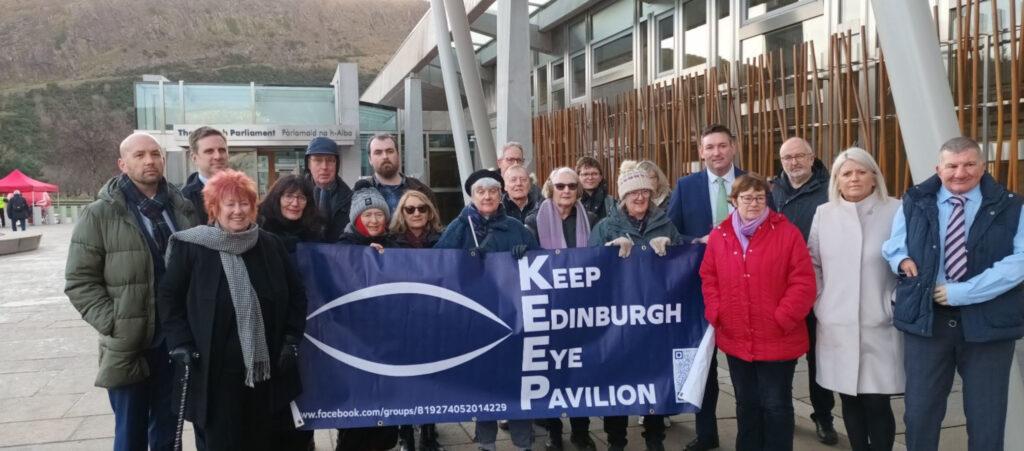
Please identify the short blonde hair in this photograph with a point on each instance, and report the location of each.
(863, 158)
(398, 224)
(548, 190)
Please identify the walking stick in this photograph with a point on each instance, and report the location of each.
(181, 410)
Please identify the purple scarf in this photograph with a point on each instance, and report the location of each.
(745, 230)
(549, 226)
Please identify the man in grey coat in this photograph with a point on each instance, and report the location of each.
(799, 190)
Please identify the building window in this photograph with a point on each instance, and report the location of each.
(666, 43)
(612, 89)
(725, 38)
(558, 70)
(849, 10)
(577, 36)
(612, 20)
(785, 38)
(613, 53)
(542, 89)
(579, 75)
(757, 8)
(695, 33)
(557, 99)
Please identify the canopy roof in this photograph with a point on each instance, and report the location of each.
(17, 180)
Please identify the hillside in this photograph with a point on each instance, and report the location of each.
(67, 66)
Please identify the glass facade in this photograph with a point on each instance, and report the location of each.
(613, 53)
(695, 33)
(757, 8)
(294, 105)
(666, 44)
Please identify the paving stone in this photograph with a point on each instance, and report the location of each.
(35, 407)
(42, 431)
(93, 402)
(19, 385)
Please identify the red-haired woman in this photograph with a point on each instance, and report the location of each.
(232, 297)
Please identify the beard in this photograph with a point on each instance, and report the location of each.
(387, 170)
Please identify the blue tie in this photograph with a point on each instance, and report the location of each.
(956, 241)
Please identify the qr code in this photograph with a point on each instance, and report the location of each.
(682, 361)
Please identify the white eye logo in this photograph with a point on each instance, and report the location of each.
(418, 369)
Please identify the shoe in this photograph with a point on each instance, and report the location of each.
(826, 432)
(583, 442)
(503, 425)
(702, 444)
(553, 442)
(668, 422)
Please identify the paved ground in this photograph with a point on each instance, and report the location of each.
(48, 361)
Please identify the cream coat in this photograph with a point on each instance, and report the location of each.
(858, 349)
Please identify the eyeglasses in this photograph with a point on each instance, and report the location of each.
(747, 200)
(791, 158)
(518, 161)
(409, 209)
(590, 174)
(296, 198)
(562, 186)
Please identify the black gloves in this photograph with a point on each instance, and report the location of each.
(518, 251)
(184, 354)
(289, 353)
(477, 251)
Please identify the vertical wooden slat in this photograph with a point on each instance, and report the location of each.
(960, 44)
(975, 62)
(997, 45)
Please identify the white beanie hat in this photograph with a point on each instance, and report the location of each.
(632, 178)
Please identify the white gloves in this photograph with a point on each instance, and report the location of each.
(658, 244)
(625, 245)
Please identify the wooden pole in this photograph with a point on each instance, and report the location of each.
(997, 47)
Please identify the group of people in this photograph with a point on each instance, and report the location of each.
(883, 297)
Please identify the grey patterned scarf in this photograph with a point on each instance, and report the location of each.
(251, 332)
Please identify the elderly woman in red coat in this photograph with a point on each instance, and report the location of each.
(758, 285)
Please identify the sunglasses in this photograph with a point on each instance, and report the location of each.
(410, 209)
(562, 186)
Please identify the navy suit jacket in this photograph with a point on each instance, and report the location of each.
(690, 206)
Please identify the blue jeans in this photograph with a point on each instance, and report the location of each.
(930, 363)
(14, 224)
(521, 431)
(143, 414)
(764, 404)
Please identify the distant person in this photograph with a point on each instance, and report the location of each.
(18, 210)
(115, 264)
(957, 245)
(516, 197)
(330, 193)
(594, 189)
(662, 189)
(798, 191)
(3, 216)
(386, 160)
(208, 150)
(512, 154)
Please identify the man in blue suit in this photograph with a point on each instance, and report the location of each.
(698, 203)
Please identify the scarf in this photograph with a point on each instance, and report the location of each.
(152, 208)
(414, 241)
(638, 224)
(745, 230)
(549, 226)
(594, 202)
(323, 198)
(482, 225)
(249, 317)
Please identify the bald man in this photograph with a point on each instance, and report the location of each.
(114, 267)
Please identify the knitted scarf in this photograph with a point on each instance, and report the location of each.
(152, 208)
(481, 225)
(251, 331)
(549, 226)
(745, 230)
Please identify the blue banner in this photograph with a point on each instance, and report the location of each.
(433, 336)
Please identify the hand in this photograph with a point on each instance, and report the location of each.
(184, 354)
(518, 251)
(908, 267)
(380, 249)
(659, 244)
(940, 294)
(289, 353)
(625, 245)
(701, 240)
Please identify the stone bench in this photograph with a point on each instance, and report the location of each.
(13, 242)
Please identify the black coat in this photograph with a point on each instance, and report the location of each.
(193, 191)
(798, 205)
(340, 202)
(194, 306)
(17, 208)
(429, 239)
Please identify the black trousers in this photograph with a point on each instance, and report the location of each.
(615, 427)
(580, 425)
(869, 421)
(707, 419)
(764, 404)
(822, 399)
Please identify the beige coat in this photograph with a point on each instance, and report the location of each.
(858, 349)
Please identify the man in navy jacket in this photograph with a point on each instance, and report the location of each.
(959, 300)
(698, 203)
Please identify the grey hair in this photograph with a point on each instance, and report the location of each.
(548, 190)
(961, 144)
(807, 145)
(511, 144)
(863, 158)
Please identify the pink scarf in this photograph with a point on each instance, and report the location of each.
(745, 230)
(549, 226)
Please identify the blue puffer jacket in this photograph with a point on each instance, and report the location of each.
(994, 227)
(503, 233)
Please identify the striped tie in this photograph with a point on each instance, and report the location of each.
(956, 241)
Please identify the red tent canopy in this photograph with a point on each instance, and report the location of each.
(17, 180)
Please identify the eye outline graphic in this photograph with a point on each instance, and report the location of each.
(417, 369)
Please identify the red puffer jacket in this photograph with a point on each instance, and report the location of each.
(758, 304)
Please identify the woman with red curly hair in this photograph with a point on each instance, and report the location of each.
(231, 307)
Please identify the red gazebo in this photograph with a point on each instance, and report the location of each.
(33, 190)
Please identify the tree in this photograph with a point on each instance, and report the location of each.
(83, 146)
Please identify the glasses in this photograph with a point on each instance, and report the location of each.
(562, 186)
(588, 175)
(747, 200)
(296, 198)
(791, 158)
(640, 193)
(518, 161)
(409, 209)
